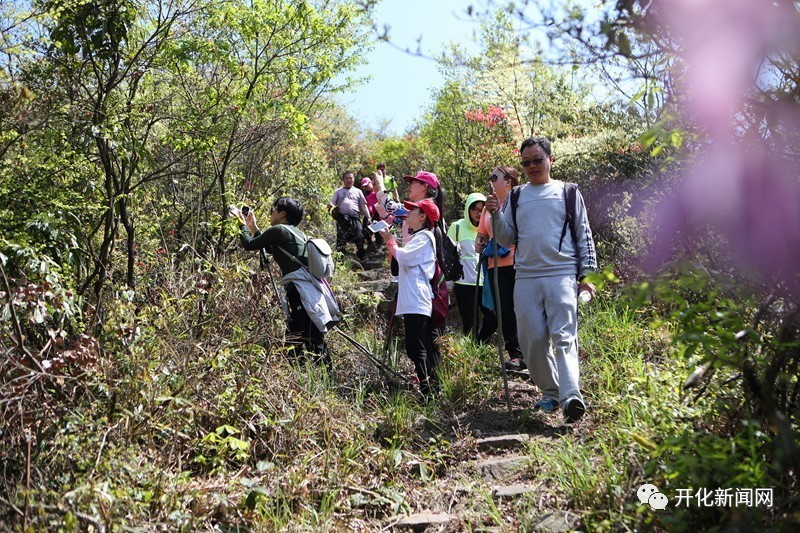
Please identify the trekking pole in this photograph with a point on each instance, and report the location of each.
(391, 325)
(477, 298)
(382, 367)
(498, 307)
(391, 317)
(264, 264)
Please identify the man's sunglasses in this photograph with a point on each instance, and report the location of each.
(535, 162)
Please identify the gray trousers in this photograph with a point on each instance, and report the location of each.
(547, 326)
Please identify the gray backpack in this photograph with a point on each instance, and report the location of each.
(320, 256)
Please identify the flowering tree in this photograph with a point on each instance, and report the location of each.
(466, 140)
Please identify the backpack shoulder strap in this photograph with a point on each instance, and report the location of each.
(300, 238)
(514, 200)
(436, 265)
(294, 231)
(570, 202)
(433, 239)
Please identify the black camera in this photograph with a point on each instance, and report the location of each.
(245, 210)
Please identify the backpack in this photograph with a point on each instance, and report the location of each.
(320, 256)
(451, 258)
(570, 201)
(441, 299)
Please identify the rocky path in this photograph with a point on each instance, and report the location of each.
(493, 458)
(495, 463)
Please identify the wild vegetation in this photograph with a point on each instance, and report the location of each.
(143, 375)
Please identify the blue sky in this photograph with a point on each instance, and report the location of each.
(402, 84)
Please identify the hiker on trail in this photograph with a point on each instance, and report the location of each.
(307, 301)
(387, 182)
(417, 263)
(372, 199)
(349, 204)
(422, 186)
(502, 180)
(464, 231)
(551, 264)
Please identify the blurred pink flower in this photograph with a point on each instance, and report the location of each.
(743, 184)
(723, 43)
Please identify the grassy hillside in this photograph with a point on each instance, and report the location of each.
(191, 417)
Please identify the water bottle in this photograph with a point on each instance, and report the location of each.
(584, 296)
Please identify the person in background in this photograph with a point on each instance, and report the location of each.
(350, 204)
(502, 180)
(371, 199)
(388, 183)
(551, 265)
(464, 231)
(287, 245)
(426, 185)
(417, 264)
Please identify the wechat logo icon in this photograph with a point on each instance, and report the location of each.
(649, 494)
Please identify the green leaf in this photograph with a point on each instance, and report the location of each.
(254, 496)
(225, 430)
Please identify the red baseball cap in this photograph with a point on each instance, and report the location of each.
(428, 178)
(428, 207)
(365, 182)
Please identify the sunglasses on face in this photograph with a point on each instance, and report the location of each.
(535, 162)
(494, 177)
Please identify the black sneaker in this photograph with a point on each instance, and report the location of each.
(517, 364)
(573, 410)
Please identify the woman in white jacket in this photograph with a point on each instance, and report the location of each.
(417, 264)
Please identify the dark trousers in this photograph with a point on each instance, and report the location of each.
(422, 350)
(465, 299)
(372, 240)
(349, 229)
(505, 281)
(304, 335)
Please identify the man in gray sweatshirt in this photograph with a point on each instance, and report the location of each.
(549, 269)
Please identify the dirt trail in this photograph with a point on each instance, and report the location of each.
(491, 458)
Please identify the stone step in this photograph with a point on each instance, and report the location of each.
(374, 264)
(498, 469)
(369, 274)
(510, 492)
(420, 521)
(555, 522)
(502, 442)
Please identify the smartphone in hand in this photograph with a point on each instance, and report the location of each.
(377, 227)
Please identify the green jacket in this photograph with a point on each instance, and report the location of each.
(464, 232)
(273, 237)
